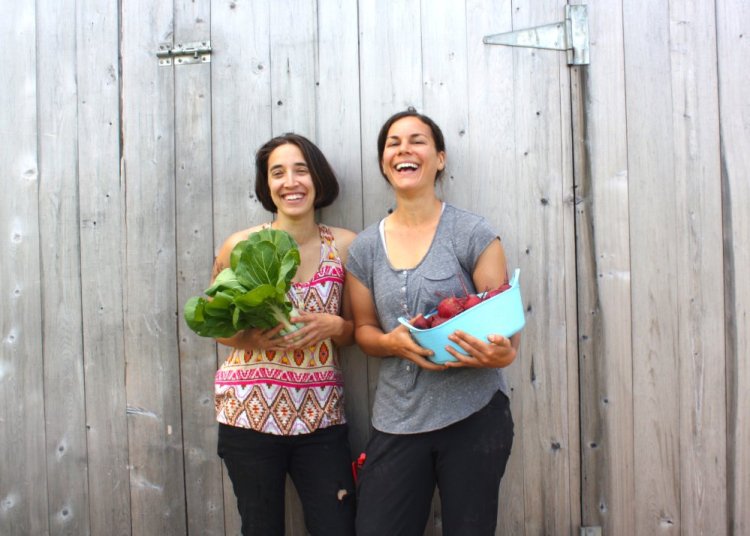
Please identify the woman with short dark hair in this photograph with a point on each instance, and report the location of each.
(280, 399)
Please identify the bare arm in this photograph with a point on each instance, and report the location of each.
(370, 336)
(253, 338)
(490, 272)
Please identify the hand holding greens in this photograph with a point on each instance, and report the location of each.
(253, 292)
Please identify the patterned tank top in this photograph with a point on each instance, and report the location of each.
(289, 392)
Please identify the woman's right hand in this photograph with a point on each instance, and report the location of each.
(400, 343)
(257, 339)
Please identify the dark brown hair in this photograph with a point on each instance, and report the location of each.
(323, 177)
(437, 135)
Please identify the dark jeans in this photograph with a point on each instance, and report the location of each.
(466, 460)
(319, 465)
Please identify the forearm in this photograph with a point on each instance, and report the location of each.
(235, 341)
(373, 341)
(345, 337)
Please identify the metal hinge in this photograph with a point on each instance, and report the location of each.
(182, 53)
(571, 35)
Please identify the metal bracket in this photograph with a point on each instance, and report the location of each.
(571, 35)
(183, 53)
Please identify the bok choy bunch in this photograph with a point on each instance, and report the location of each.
(253, 292)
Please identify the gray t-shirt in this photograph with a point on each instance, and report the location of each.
(410, 399)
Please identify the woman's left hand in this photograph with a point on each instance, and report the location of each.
(497, 353)
(317, 326)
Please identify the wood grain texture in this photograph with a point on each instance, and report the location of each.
(702, 389)
(540, 89)
(65, 410)
(101, 221)
(194, 243)
(654, 265)
(23, 484)
(293, 44)
(152, 355)
(603, 275)
(733, 55)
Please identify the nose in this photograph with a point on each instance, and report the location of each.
(290, 178)
(403, 147)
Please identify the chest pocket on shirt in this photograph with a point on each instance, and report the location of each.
(441, 282)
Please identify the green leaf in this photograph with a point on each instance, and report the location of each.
(226, 279)
(287, 269)
(253, 292)
(234, 257)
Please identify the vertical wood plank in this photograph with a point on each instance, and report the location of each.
(293, 63)
(492, 182)
(194, 236)
(338, 136)
(241, 122)
(64, 395)
(542, 138)
(732, 19)
(603, 275)
(241, 111)
(445, 92)
(702, 396)
(101, 220)
(652, 216)
(23, 484)
(152, 359)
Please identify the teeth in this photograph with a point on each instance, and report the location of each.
(405, 165)
(293, 197)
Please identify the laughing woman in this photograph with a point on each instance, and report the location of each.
(446, 425)
(279, 400)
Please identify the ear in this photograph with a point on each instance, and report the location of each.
(441, 160)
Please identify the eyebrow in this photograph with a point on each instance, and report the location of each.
(296, 164)
(413, 135)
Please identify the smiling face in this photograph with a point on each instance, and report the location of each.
(289, 181)
(410, 159)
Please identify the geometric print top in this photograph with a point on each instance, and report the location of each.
(296, 391)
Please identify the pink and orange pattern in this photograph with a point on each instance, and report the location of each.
(295, 391)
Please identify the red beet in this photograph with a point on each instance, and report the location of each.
(421, 323)
(437, 320)
(471, 301)
(449, 307)
(498, 290)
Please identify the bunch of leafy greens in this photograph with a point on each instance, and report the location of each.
(253, 292)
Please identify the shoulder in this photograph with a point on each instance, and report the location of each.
(237, 237)
(462, 216)
(363, 252)
(343, 239)
(367, 239)
(462, 222)
(234, 239)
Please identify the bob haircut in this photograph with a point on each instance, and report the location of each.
(437, 135)
(323, 177)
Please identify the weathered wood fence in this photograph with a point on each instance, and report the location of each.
(620, 188)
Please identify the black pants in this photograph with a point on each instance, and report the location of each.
(319, 465)
(466, 460)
